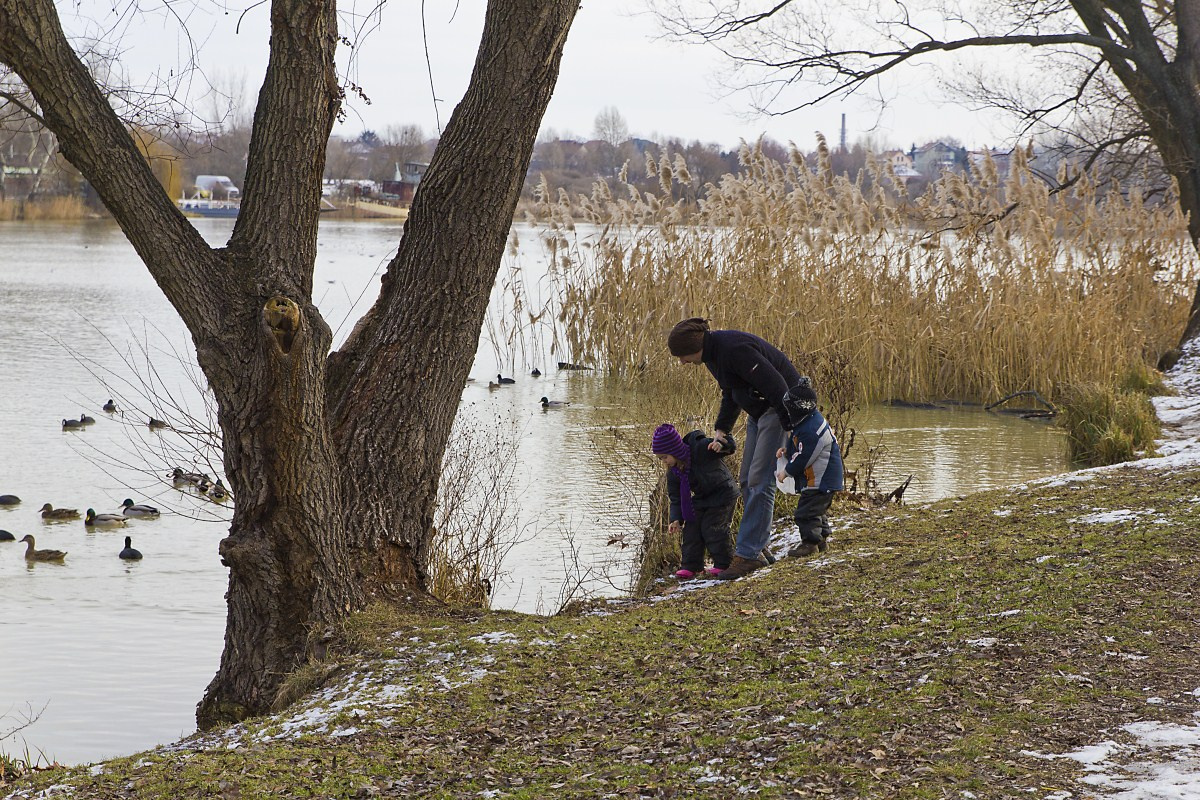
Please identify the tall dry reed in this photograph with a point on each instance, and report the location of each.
(49, 208)
(982, 286)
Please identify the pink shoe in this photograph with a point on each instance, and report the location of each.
(685, 574)
(712, 572)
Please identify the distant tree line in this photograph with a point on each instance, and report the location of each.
(31, 166)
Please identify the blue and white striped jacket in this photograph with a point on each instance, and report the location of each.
(813, 456)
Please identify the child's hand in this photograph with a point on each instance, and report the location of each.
(779, 453)
(781, 476)
(674, 526)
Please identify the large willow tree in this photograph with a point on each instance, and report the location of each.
(332, 508)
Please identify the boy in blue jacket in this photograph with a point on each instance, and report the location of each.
(815, 461)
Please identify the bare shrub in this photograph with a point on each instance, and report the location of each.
(476, 518)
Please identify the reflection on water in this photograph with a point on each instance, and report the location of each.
(115, 655)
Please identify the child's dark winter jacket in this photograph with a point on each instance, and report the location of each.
(753, 375)
(711, 481)
(813, 456)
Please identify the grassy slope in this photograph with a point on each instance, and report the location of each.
(864, 674)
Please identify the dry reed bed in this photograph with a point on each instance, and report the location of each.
(978, 288)
(50, 208)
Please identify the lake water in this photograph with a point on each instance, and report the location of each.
(113, 656)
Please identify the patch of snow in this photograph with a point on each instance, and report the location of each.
(495, 637)
(1012, 612)
(1002, 512)
(1043, 559)
(986, 641)
(1117, 515)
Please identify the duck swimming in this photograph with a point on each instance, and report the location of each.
(94, 520)
(9, 500)
(129, 554)
(33, 554)
(503, 379)
(84, 419)
(537, 373)
(157, 424)
(548, 403)
(5, 536)
(493, 385)
(50, 512)
(110, 406)
(218, 491)
(71, 424)
(179, 477)
(131, 509)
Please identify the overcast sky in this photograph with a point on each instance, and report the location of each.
(614, 56)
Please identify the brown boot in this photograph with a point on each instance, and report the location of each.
(807, 549)
(740, 568)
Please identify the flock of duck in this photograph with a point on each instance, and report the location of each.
(536, 373)
(111, 408)
(91, 521)
(199, 482)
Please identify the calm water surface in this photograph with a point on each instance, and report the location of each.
(115, 655)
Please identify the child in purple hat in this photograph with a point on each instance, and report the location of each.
(702, 493)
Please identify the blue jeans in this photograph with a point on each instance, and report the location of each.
(764, 437)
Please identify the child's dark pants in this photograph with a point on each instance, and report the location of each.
(810, 516)
(709, 530)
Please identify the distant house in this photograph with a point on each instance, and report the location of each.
(932, 159)
(406, 180)
(902, 165)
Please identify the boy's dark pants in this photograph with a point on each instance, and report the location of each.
(810, 516)
(709, 530)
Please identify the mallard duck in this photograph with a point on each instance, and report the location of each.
(536, 373)
(493, 385)
(548, 403)
(94, 520)
(71, 424)
(84, 419)
(110, 406)
(50, 512)
(503, 379)
(129, 554)
(5, 536)
(33, 554)
(157, 424)
(218, 491)
(179, 477)
(131, 509)
(9, 500)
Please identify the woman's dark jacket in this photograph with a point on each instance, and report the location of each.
(753, 376)
(711, 481)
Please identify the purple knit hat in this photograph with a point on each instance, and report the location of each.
(667, 442)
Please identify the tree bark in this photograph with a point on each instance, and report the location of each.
(407, 360)
(333, 460)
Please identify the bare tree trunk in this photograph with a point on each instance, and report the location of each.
(395, 385)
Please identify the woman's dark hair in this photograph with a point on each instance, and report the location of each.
(687, 337)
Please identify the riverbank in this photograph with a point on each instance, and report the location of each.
(1037, 641)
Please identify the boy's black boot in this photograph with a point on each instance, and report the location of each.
(808, 548)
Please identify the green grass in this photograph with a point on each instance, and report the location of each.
(866, 674)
